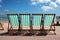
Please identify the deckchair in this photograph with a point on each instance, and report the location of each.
(1, 26)
(13, 23)
(37, 21)
(25, 22)
(49, 22)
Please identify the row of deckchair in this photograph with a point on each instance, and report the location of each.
(30, 23)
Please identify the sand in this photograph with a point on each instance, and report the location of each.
(47, 37)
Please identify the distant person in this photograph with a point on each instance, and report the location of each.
(57, 23)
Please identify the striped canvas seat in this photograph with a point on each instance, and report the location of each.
(13, 20)
(25, 21)
(37, 18)
(48, 20)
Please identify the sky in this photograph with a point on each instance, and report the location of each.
(30, 6)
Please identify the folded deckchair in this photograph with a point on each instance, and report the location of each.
(13, 24)
(49, 22)
(1, 26)
(37, 21)
(25, 22)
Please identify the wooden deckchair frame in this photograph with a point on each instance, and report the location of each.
(40, 24)
(9, 23)
(52, 26)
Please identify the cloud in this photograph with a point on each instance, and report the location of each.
(58, 1)
(0, 0)
(44, 1)
(34, 3)
(39, 1)
(53, 4)
(46, 8)
(32, 0)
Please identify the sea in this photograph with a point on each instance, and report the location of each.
(3, 17)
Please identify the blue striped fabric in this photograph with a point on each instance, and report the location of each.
(37, 20)
(25, 20)
(14, 20)
(48, 20)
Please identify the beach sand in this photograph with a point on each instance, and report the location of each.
(47, 37)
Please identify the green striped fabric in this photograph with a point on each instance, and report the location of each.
(14, 20)
(48, 20)
(37, 20)
(25, 20)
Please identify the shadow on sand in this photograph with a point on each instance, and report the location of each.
(42, 33)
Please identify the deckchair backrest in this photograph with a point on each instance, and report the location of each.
(25, 19)
(37, 19)
(48, 19)
(14, 20)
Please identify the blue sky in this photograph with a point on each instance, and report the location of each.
(30, 6)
